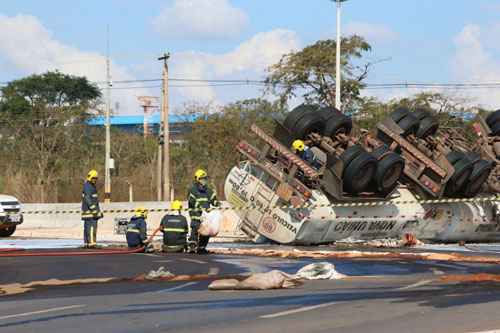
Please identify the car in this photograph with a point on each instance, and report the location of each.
(10, 215)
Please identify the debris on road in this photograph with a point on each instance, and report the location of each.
(319, 271)
(20, 288)
(159, 273)
(480, 277)
(259, 281)
(295, 253)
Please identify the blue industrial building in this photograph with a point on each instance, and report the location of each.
(178, 124)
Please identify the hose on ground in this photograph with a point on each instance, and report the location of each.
(17, 252)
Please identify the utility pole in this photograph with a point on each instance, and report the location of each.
(107, 173)
(166, 134)
(338, 103)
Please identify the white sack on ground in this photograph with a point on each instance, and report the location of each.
(258, 281)
(210, 224)
(319, 271)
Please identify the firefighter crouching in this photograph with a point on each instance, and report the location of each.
(91, 212)
(201, 197)
(175, 228)
(137, 228)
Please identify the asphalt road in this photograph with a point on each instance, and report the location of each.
(378, 296)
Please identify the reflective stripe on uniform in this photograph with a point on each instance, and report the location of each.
(195, 217)
(174, 229)
(202, 199)
(92, 240)
(134, 230)
(94, 195)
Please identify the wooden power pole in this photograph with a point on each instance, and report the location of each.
(165, 127)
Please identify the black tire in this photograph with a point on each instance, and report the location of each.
(358, 174)
(335, 122)
(463, 169)
(478, 177)
(493, 118)
(8, 231)
(307, 124)
(351, 153)
(495, 129)
(389, 170)
(399, 113)
(428, 127)
(421, 113)
(380, 150)
(294, 116)
(408, 124)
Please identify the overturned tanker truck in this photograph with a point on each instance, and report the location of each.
(403, 178)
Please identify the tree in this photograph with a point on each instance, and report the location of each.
(212, 142)
(43, 126)
(311, 72)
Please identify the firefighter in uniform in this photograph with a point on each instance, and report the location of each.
(137, 228)
(201, 197)
(175, 229)
(91, 212)
(305, 153)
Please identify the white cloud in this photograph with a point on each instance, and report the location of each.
(372, 32)
(251, 57)
(474, 62)
(200, 19)
(32, 48)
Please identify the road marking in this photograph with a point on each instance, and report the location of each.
(175, 288)
(414, 285)
(162, 260)
(195, 261)
(43, 311)
(436, 271)
(492, 331)
(213, 271)
(303, 309)
(150, 255)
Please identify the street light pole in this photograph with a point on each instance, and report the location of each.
(166, 134)
(338, 103)
(107, 166)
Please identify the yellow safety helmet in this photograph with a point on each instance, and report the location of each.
(299, 145)
(141, 212)
(199, 174)
(176, 205)
(92, 175)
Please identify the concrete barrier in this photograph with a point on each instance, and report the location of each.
(71, 226)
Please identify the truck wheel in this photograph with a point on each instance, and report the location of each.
(335, 122)
(495, 129)
(478, 177)
(428, 127)
(399, 113)
(297, 113)
(408, 124)
(493, 118)
(351, 153)
(6, 232)
(358, 174)
(463, 169)
(309, 123)
(389, 170)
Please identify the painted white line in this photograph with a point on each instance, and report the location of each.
(195, 261)
(43, 311)
(149, 255)
(415, 285)
(492, 331)
(175, 288)
(303, 309)
(162, 260)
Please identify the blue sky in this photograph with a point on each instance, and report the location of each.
(426, 41)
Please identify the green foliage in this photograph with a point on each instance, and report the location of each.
(311, 73)
(212, 143)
